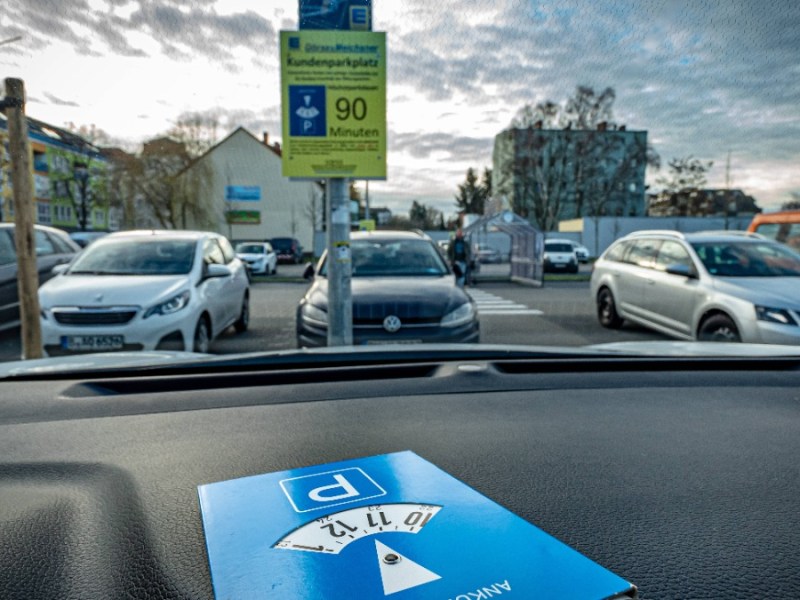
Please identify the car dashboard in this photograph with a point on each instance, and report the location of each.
(679, 475)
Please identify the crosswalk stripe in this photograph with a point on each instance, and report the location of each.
(530, 311)
(490, 304)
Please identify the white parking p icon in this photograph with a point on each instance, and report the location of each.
(331, 488)
(319, 495)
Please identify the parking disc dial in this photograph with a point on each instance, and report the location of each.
(334, 532)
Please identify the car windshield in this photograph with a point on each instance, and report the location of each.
(395, 258)
(556, 198)
(251, 249)
(748, 259)
(282, 245)
(504, 145)
(136, 257)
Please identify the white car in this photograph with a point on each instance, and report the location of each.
(581, 251)
(559, 256)
(145, 290)
(259, 257)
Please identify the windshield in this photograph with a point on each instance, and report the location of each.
(395, 258)
(136, 257)
(251, 249)
(748, 259)
(558, 247)
(282, 245)
(485, 153)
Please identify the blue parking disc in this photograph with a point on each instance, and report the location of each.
(390, 526)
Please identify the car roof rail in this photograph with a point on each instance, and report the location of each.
(667, 232)
(734, 232)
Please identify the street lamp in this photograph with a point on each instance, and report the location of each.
(80, 174)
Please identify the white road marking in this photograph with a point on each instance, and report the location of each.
(489, 304)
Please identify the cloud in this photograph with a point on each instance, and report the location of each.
(703, 78)
(183, 28)
(423, 145)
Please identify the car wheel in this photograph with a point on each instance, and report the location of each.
(275, 269)
(243, 322)
(607, 310)
(718, 328)
(202, 336)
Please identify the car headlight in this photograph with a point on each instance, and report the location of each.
(775, 315)
(463, 314)
(315, 314)
(172, 305)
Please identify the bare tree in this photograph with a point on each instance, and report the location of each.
(586, 109)
(544, 115)
(686, 173)
(166, 179)
(197, 131)
(578, 168)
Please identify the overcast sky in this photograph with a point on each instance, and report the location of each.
(703, 77)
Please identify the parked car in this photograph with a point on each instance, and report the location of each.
(403, 292)
(288, 250)
(706, 286)
(258, 257)
(53, 247)
(559, 257)
(146, 290)
(485, 253)
(581, 251)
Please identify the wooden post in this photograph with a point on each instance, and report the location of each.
(27, 272)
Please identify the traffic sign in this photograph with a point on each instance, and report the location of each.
(336, 14)
(391, 525)
(334, 104)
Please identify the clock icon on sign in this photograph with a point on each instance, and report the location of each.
(334, 532)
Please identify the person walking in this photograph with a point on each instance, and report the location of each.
(459, 255)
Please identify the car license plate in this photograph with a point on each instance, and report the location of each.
(92, 342)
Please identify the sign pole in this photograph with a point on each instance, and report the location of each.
(27, 273)
(340, 296)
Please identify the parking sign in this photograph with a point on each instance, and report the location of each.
(379, 526)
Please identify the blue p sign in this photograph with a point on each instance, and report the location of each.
(323, 490)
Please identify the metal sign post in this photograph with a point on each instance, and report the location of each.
(333, 74)
(340, 297)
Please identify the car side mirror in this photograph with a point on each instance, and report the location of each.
(309, 272)
(60, 269)
(216, 270)
(682, 270)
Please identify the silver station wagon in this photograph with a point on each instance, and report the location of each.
(712, 286)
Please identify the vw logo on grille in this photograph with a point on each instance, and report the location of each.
(392, 323)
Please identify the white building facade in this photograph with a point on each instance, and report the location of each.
(248, 198)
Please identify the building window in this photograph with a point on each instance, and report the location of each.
(63, 213)
(99, 218)
(43, 213)
(40, 162)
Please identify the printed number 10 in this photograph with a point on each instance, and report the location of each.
(345, 109)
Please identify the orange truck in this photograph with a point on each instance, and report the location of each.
(782, 226)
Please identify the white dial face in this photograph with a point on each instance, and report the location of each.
(334, 532)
